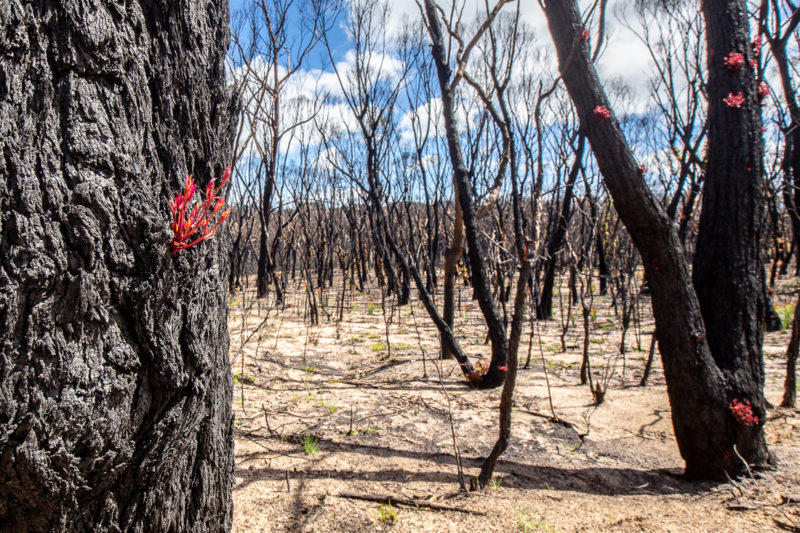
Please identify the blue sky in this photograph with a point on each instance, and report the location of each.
(624, 58)
(319, 58)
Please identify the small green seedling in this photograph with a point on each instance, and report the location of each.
(310, 445)
(387, 513)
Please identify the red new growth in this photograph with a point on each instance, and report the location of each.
(601, 113)
(585, 35)
(763, 90)
(734, 61)
(757, 44)
(186, 225)
(743, 412)
(734, 100)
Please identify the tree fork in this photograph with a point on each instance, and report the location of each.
(705, 429)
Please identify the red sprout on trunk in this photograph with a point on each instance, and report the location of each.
(734, 100)
(601, 113)
(185, 225)
(743, 412)
(734, 61)
(763, 90)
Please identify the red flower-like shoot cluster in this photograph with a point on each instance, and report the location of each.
(756, 44)
(763, 90)
(187, 224)
(734, 100)
(743, 412)
(585, 35)
(601, 113)
(734, 61)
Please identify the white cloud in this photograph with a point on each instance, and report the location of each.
(625, 58)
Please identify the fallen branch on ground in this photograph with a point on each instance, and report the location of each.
(407, 502)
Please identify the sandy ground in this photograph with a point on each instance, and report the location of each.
(333, 408)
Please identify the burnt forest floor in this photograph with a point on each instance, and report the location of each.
(337, 408)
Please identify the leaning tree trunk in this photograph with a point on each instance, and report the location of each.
(115, 389)
(700, 388)
(480, 282)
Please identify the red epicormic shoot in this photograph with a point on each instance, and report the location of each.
(756, 44)
(763, 90)
(734, 61)
(601, 113)
(743, 412)
(186, 224)
(734, 100)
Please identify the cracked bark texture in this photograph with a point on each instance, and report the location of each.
(115, 394)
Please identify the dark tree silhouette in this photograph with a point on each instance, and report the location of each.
(702, 379)
(115, 390)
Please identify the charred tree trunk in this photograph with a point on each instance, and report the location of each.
(790, 164)
(700, 389)
(648, 366)
(115, 389)
(262, 275)
(772, 322)
(544, 309)
(451, 257)
(235, 256)
(480, 282)
(790, 383)
(603, 273)
(728, 270)
(602, 264)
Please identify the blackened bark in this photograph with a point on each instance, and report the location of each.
(262, 275)
(507, 396)
(699, 390)
(480, 282)
(447, 335)
(451, 257)
(115, 389)
(790, 382)
(790, 164)
(728, 271)
(772, 322)
(602, 265)
(648, 366)
(688, 211)
(544, 309)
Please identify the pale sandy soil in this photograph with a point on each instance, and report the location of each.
(373, 423)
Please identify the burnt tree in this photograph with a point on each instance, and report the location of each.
(462, 187)
(115, 390)
(701, 380)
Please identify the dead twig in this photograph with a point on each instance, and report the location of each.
(747, 467)
(734, 485)
(744, 506)
(407, 502)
